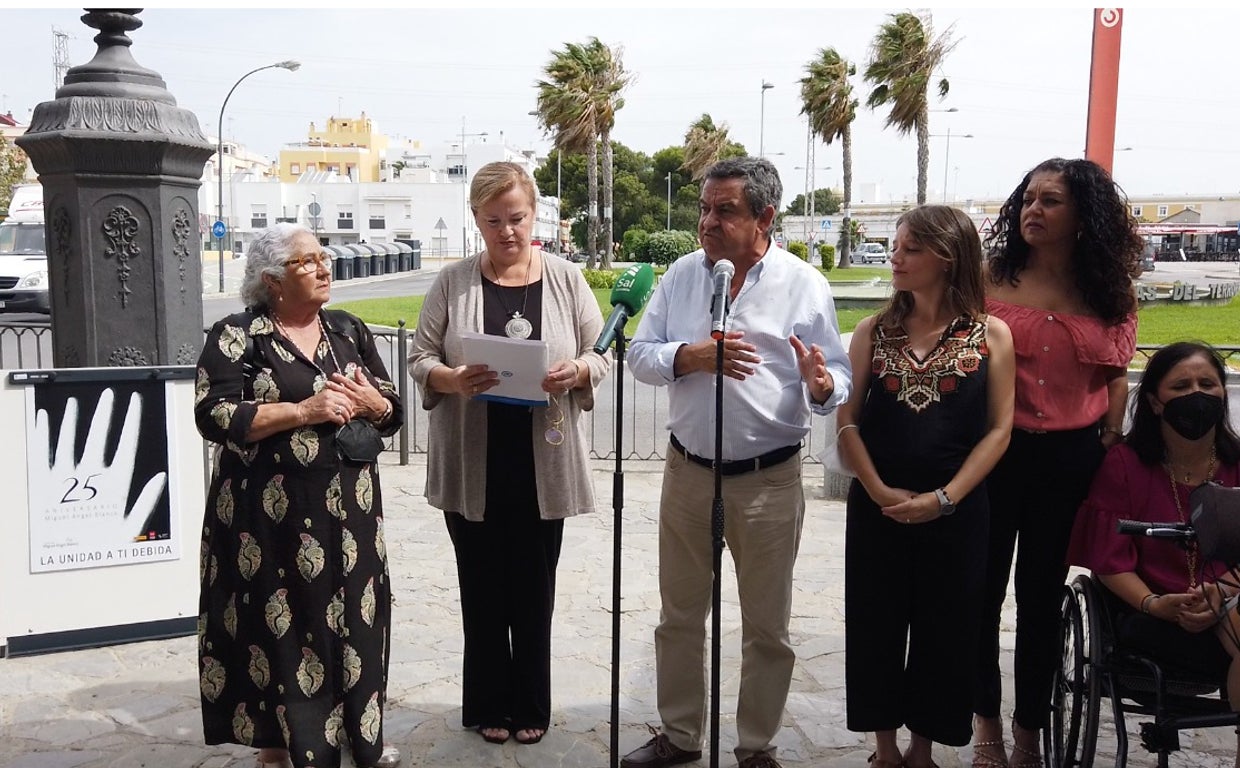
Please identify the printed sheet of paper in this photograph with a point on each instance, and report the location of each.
(520, 363)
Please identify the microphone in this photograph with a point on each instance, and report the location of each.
(1176, 531)
(630, 293)
(721, 297)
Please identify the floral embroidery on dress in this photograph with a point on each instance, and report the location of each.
(919, 383)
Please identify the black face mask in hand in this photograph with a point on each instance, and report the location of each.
(1194, 414)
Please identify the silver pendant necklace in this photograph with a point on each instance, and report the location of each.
(517, 327)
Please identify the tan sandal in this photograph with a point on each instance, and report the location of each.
(989, 759)
(1028, 758)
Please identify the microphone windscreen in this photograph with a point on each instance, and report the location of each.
(723, 267)
(633, 288)
(1216, 519)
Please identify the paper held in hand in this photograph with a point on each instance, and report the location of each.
(520, 363)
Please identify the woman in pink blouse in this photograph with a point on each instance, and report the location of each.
(1063, 255)
(1180, 438)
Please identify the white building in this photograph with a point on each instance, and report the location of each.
(424, 198)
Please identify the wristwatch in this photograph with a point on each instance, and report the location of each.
(946, 505)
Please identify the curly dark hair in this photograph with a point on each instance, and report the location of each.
(1145, 435)
(1107, 253)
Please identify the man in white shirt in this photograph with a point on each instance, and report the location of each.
(783, 359)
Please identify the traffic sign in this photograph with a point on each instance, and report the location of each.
(440, 224)
(218, 229)
(314, 209)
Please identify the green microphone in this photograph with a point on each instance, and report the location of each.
(630, 293)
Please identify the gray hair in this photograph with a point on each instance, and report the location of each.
(762, 186)
(267, 254)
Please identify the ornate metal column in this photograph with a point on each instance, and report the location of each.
(120, 165)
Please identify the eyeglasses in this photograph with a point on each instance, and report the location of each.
(309, 263)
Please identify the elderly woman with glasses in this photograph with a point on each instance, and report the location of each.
(295, 599)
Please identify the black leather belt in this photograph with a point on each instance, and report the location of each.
(770, 459)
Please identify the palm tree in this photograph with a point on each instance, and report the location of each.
(577, 102)
(827, 100)
(609, 82)
(903, 58)
(705, 145)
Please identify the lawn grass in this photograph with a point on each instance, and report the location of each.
(1161, 323)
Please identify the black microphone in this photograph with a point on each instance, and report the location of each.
(629, 294)
(721, 297)
(1177, 531)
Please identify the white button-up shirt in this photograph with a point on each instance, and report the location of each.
(782, 297)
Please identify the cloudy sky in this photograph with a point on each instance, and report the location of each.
(1019, 80)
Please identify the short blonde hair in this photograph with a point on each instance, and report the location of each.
(494, 179)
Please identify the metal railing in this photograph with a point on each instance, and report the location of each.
(645, 417)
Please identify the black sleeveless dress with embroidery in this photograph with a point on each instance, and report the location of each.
(921, 418)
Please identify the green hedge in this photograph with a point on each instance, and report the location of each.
(663, 248)
(826, 254)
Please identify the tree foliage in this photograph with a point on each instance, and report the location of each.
(827, 100)
(12, 170)
(577, 104)
(904, 56)
(825, 203)
(707, 144)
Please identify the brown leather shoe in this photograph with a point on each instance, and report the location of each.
(658, 753)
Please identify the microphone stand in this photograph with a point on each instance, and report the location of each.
(716, 529)
(617, 504)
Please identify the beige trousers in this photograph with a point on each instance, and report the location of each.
(763, 511)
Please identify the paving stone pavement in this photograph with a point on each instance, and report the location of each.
(136, 705)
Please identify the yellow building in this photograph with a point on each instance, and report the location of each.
(349, 146)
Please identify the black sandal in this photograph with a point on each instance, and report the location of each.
(494, 739)
(534, 740)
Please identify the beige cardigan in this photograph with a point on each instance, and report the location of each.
(457, 442)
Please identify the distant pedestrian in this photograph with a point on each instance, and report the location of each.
(929, 415)
(1063, 255)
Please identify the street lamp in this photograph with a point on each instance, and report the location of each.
(669, 200)
(465, 190)
(947, 153)
(291, 66)
(762, 119)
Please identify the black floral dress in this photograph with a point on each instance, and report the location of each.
(295, 600)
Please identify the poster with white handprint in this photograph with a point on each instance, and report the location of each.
(98, 469)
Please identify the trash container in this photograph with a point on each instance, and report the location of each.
(416, 256)
(342, 263)
(391, 260)
(404, 256)
(376, 259)
(361, 260)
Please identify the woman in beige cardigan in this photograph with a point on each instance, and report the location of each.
(507, 475)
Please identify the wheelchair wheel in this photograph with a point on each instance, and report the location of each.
(1075, 698)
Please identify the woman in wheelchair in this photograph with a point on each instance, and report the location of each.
(1180, 437)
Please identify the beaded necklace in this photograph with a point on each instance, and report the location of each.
(1191, 550)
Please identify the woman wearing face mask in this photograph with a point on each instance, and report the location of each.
(1180, 438)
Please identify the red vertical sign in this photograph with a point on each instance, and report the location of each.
(1103, 87)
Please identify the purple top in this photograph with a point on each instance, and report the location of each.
(1124, 488)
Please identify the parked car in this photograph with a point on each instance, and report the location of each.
(869, 253)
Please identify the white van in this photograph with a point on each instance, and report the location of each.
(869, 253)
(23, 254)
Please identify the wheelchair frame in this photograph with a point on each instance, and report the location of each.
(1092, 667)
